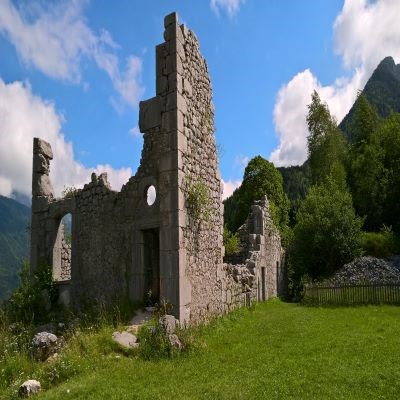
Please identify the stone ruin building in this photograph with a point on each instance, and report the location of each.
(162, 233)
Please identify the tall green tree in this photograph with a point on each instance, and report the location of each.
(368, 176)
(327, 233)
(260, 179)
(391, 147)
(326, 144)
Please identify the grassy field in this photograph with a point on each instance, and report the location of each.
(276, 351)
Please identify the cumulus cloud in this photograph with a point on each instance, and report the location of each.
(241, 161)
(229, 188)
(231, 7)
(24, 116)
(364, 34)
(135, 132)
(55, 39)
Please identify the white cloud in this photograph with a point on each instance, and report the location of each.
(231, 7)
(135, 132)
(241, 161)
(229, 188)
(56, 39)
(364, 34)
(24, 116)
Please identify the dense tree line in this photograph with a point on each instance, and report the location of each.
(343, 188)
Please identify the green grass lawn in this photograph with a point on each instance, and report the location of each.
(276, 351)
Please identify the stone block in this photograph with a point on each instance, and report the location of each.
(175, 83)
(40, 146)
(160, 59)
(173, 64)
(41, 186)
(149, 114)
(172, 121)
(187, 88)
(170, 19)
(176, 47)
(173, 32)
(161, 85)
(176, 101)
(40, 204)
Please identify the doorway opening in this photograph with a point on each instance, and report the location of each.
(151, 247)
(263, 288)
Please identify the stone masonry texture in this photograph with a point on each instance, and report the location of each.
(122, 247)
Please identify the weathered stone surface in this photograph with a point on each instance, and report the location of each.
(175, 342)
(149, 114)
(29, 388)
(40, 146)
(42, 186)
(125, 339)
(170, 19)
(44, 344)
(168, 323)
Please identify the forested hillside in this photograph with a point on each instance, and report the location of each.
(382, 91)
(14, 242)
(344, 200)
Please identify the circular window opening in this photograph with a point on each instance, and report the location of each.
(151, 195)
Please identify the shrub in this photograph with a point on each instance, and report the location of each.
(379, 244)
(327, 232)
(231, 242)
(31, 302)
(198, 200)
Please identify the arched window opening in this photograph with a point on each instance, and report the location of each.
(151, 195)
(62, 250)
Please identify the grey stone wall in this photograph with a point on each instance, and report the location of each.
(124, 247)
(256, 273)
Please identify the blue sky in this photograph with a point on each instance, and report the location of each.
(73, 73)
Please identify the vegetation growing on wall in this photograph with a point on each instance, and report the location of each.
(231, 242)
(198, 200)
(260, 179)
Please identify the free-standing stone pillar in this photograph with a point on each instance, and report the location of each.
(42, 195)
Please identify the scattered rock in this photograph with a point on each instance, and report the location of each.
(168, 323)
(175, 342)
(29, 387)
(367, 270)
(125, 339)
(44, 345)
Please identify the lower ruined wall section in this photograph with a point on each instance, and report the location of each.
(256, 273)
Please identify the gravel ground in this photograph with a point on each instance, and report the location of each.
(368, 270)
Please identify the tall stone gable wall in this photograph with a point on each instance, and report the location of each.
(107, 259)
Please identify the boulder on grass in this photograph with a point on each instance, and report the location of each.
(44, 345)
(168, 324)
(125, 339)
(29, 387)
(175, 342)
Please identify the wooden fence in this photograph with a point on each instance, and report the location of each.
(385, 293)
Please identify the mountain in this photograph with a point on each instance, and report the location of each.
(382, 90)
(14, 242)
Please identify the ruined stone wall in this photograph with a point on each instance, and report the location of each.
(200, 185)
(65, 257)
(111, 230)
(256, 273)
